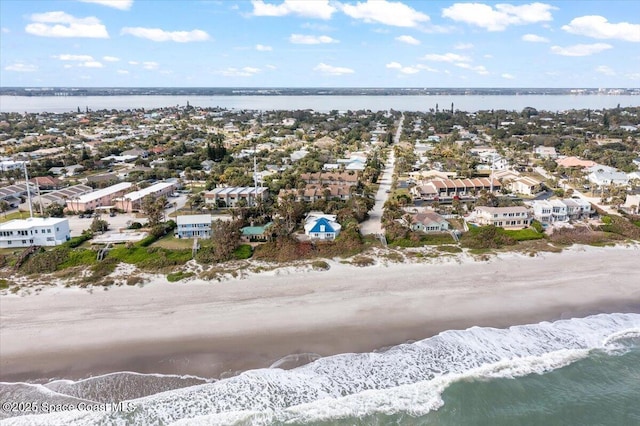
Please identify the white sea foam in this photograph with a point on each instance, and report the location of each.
(409, 377)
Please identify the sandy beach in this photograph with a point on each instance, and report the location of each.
(213, 329)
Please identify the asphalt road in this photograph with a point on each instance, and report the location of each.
(373, 225)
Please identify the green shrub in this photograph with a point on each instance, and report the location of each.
(4, 284)
(177, 276)
(77, 241)
(523, 234)
(363, 261)
(320, 265)
(244, 251)
(486, 237)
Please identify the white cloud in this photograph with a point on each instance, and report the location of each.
(311, 39)
(271, 67)
(598, 27)
(447, 57)
(21, 67)
(331, 70)
(603, 69)
(508, 76)
(501, 17)
(61, 24)
(633, 76)
(85, 61)
(533, 38)
(384, 12)
(317, 27)
(91, 64)
(122, 72)
(463, 46)
(150, 65)
(239, 72)
(157, 34)
(110, 59)
(320, 9)
(263, 48)
(5, 30)
(116, 4)
(409, 70)
(73, 57)
(408, 39)
(134, 62)
(426, 68)
(479, 69)
(580, 49)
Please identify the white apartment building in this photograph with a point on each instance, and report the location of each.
(35, 231)
(194, 225)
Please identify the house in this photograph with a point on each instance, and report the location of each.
(525, 185)
(133, 201)
(35, 231)
(455, 187)
(256, 233)
(67, 170)
(100, 198)
(516, 217)
(577, 208)
(551, 211)
(546, 152)
(230, 196)
(6, 165)
(46, 182)
(574, 162)
(193, 226)
(632, 203)
(331, 178)
(602, 176)
(321, 226)
(429, 222)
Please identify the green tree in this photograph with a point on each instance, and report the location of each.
(153, 208)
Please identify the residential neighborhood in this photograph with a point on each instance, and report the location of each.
(267, 177)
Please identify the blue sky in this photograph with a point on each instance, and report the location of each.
(319, 43)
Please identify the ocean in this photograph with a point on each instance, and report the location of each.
(581, 371)
(470, 103)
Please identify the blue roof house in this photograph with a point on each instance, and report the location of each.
(322, 227)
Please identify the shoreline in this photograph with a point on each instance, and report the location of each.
(216, 329)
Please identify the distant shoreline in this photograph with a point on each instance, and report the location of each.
(305, 91)
(213, 329)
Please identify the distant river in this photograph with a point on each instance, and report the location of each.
(59, 104)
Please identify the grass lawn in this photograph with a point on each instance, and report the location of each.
(172, 243)
(13, 215)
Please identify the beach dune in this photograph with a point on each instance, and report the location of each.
(214, 329)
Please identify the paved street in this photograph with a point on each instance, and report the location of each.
(373, 225)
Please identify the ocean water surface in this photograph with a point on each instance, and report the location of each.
(568, 372)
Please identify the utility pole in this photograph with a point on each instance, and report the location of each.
(26, 182)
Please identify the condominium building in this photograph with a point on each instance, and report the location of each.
(35, 231)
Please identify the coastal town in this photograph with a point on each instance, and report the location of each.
(164, 188)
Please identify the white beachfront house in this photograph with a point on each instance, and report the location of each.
(35, 231)
(515, 217)
(193, 225)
